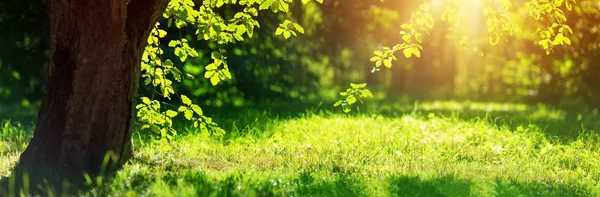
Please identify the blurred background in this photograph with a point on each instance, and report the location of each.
(340, 37)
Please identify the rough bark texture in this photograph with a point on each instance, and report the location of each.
(96, 48)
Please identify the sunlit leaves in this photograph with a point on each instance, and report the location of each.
(352, 95)
(186, 100)
(182, 49)
(148, 113)
(171, 113)
(156, 71)
(194, 113)
(412, 35)
(266, 4)
(409, 51)
(551, 12)
(288, 29)
(384, 58)
(210, 26)
(423, 19)
(498, 25)
(553, 36)
(552, 31)
(218, 70)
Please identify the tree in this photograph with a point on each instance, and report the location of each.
(96, 48)
(98, 52)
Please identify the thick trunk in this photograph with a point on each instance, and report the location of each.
(86, 114)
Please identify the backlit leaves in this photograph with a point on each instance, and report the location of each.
(218, 70)
(498, 25)
(288, 29)
(210, 26)
(551, 14)
(352, 95)
(412, 35)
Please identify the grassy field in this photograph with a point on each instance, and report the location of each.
(437, 148)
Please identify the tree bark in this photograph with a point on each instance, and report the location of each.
(87, 110)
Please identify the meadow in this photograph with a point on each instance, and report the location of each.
(427, 148)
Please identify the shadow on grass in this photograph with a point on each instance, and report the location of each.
(343, 185)
(199, 183)
(450, 186)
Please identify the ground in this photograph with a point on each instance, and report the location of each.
(433, 148)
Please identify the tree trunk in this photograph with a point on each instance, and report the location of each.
(87, 110)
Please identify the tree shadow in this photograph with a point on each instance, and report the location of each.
(450, 186)
(254, 119)
(342, 185)
(187, 182)
(417, 187)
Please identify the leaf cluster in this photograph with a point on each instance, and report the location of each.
(210, 27)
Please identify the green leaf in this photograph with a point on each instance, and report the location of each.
(358, 86)
(266, 4)
(182, 108)
(299, 28)
(416, 52)
(375, 59)
(214, 80)
(366, 93)
(176, 73)
(168, 64)
(186, 100)
(146, 100)
(174, 43)
(407, 52)
(347, 109)
(351, 99)
(179, 52)
(338, 103)
(209, 74)
(171, 113)
(211, 67)
(197, 109)
(387, 63)
(188, 114)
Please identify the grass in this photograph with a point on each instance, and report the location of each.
(437, 148)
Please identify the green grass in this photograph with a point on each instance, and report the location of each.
(443, 148)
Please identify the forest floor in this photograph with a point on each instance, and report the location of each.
(434, 148)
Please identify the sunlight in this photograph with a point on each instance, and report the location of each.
(470, 10)
(300, 98)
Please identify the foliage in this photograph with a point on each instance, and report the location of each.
(354, 94)
(210, 27)
(552, 16)
(552, 31)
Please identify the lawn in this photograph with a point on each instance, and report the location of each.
(433, 148)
